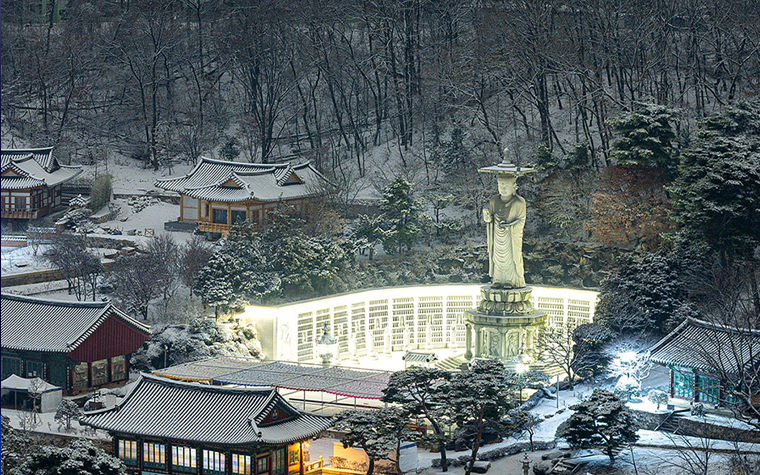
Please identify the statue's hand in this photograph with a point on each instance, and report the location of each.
(487, 215)
(503, 224)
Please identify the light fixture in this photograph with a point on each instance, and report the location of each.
(326, 345)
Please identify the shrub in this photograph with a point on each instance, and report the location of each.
(658, 397)
(100, 194)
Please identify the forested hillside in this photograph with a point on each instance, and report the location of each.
(329, 80)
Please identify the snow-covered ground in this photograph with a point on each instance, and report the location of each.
(47, 424)
(21, 259)
(129, 177)
(152, 218)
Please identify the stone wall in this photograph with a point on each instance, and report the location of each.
(689, 427)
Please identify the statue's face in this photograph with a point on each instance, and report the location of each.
(507, 186)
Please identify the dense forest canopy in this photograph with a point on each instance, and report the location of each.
(162, 80)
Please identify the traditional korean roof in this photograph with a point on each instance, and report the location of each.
(706, 346)
(35, 324)
(219, 180)
(32, 168)
(199, 413)
(419, 357)
(341, 381)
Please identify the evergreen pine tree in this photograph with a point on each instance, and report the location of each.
(646, 134)
(402, 214)
(602, 421)
(717, 192)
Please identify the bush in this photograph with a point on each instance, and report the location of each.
(658, 397)
(100, 194)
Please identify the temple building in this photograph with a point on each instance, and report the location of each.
(31, 182)
(217, 194)
(165, 426)
(707, 361)
(74, 345)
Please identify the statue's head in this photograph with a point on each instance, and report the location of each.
(507, 185)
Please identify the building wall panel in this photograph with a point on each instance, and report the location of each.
(112, 338)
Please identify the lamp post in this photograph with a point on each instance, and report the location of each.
(522, 366)
(326, 345)
(525, 464)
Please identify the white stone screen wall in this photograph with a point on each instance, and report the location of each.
(399, 318)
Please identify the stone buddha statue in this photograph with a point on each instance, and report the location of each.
(505, 220)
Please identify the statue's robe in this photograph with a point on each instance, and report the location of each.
(505, 244)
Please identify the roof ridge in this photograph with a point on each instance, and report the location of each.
(163, 381)
(720, 326)
(31, 150)
(250, 164)
(62, 303)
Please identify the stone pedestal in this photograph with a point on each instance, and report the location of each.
(505, 324)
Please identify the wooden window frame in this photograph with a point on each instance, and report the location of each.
(182, 453)
(204, 462)
(149, 452)
(134, 446)
(248, 459)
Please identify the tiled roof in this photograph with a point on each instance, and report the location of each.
(419, 357)
(254, 181)
(35, 324)
(33, 168)
(43, 156)
(192, 412)
(702, 345)
(301, 377)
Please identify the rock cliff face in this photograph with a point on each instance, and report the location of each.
(565, 263)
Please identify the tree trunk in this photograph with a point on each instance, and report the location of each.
(371, 466)
(476, 445)
(441, 446)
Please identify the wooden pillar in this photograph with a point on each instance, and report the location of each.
(181, 207)
(301, 469)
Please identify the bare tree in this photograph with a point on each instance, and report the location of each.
(78, 266)
(135, 283)
(194, 256)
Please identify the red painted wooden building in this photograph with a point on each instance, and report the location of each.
(74, 345)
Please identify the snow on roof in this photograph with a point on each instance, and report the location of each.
(36, 385)
(419, 357)
(35, 324)
(362, 384)
(31, 168)
(219, 180)
(703, 345)
(192, 412)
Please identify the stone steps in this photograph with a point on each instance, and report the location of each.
(452, 363)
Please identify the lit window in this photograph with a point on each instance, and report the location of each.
(128, 451)
(154, 455)
(184, 458)
(241, 464)
(213, 462)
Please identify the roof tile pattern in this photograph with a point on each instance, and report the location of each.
(43, 156)
(35, 324)
(334, 380)
(702, 345)
(255, 181)
(192, 412)
(33, 168)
